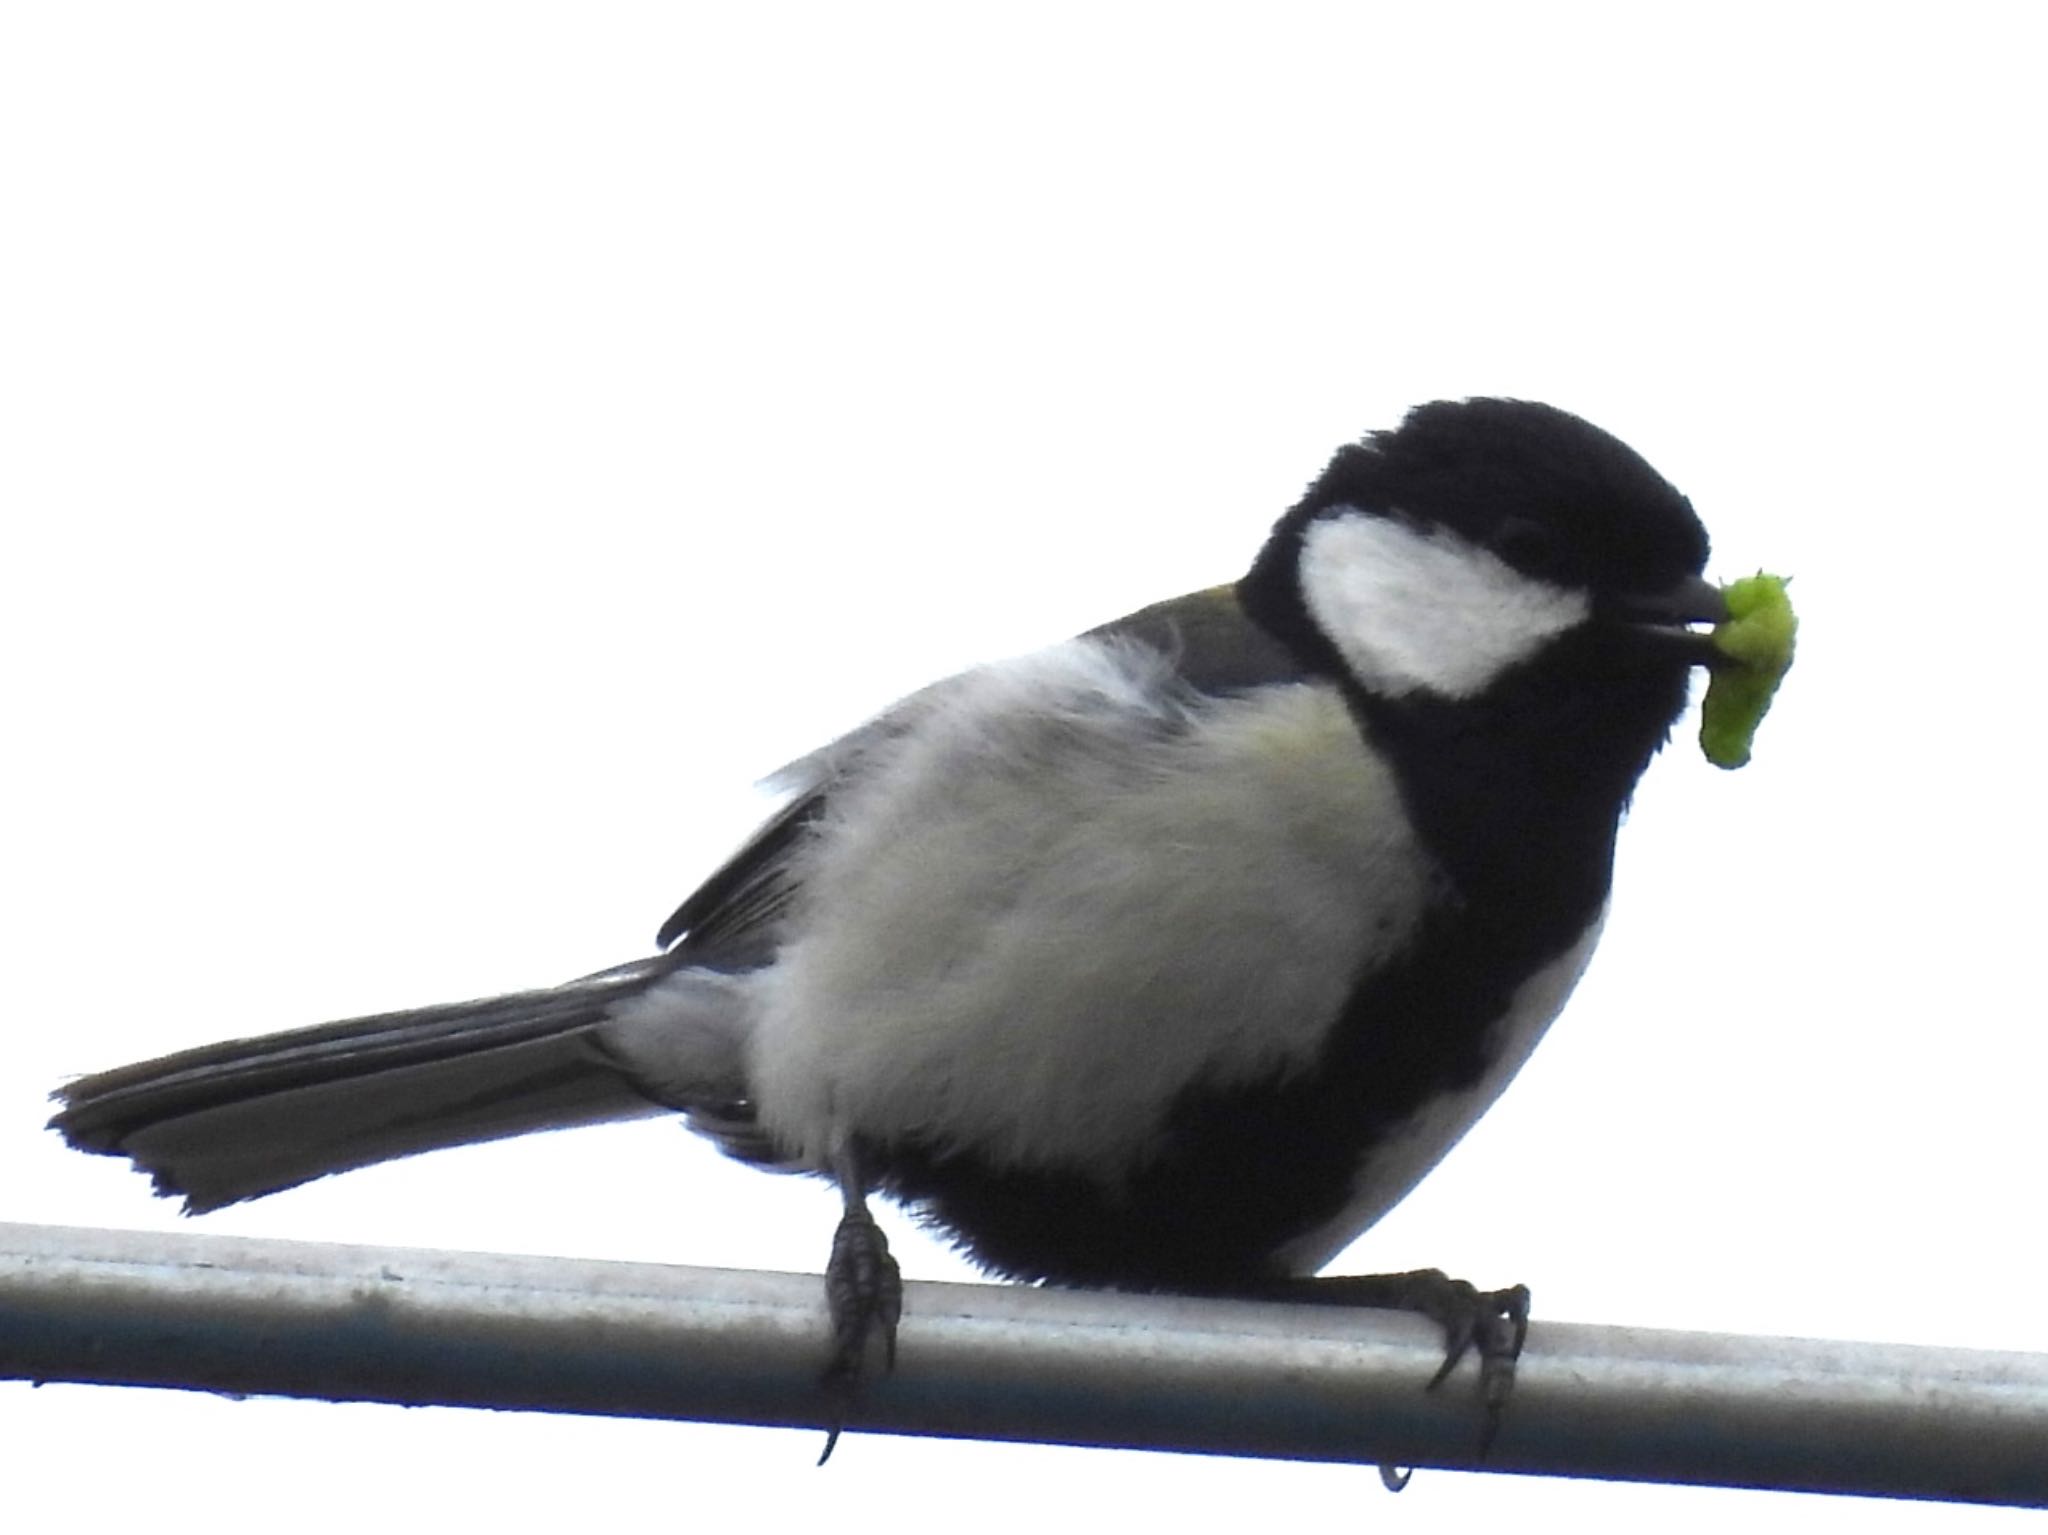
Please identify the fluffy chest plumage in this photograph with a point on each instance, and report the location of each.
(1061, 894)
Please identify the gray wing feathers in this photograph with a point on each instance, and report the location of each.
(733, 914)
(1213, 646)
(734, 917)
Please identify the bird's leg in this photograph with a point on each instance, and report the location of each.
(1491, 1323)
(863, 1294)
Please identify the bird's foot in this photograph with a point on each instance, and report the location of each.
(864, 1296)
(1493, 1324)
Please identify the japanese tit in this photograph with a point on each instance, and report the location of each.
(1168, 958)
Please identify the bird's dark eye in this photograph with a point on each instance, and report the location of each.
(1529, 546)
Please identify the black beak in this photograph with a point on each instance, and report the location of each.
(1666, 618)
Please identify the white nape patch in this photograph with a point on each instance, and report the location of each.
(1058, 890)
(1425, 611)
(1399, 1163)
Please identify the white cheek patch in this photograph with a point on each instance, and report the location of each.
(1414, 611)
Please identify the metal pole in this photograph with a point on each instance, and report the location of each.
(220, 1314)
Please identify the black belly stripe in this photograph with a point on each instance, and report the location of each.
(1243, 1171)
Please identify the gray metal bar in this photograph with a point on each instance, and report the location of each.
(1303, 1382)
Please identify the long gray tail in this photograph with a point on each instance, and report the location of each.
(249, 1117)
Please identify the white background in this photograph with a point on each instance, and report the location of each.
(451, 451)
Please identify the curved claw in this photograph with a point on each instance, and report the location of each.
(1494, 1324)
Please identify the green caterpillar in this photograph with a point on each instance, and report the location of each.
(1757, 639)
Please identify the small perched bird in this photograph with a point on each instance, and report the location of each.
(1168, 958)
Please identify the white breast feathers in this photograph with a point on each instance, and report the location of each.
(1052, 893)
